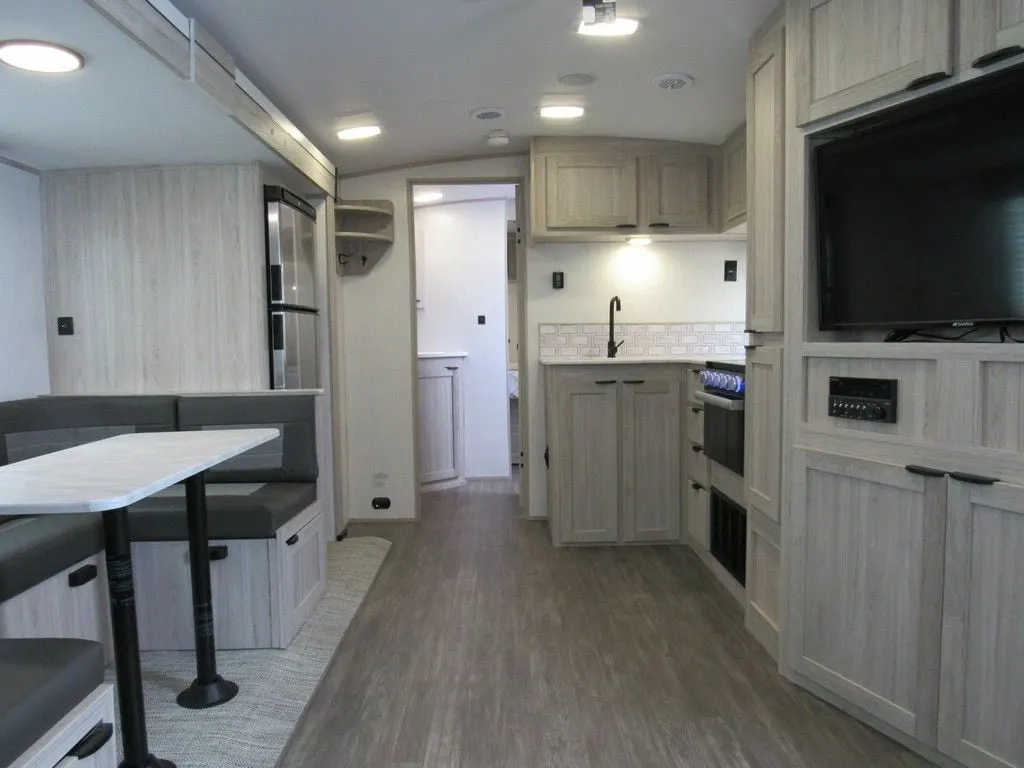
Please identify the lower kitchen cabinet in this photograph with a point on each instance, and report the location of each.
(650, 460)
(441, 451)
(585, 461)
(614, 439)
(981, 717)
(698, 514)
(866, 587)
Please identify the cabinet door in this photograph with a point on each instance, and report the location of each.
(678, 190)
(595, 191)
(982, 701)
(440, 421)
(865, 591)
(851, 52)
(766, 134)
(651, 428)
(734, 177)
(698, 514)
(587, 464)
(763, 424)
(988, 27)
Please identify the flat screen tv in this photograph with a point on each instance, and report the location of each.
(920, 213)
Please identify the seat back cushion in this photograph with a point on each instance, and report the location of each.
(290, 458)
(30, 428)
(33, 549)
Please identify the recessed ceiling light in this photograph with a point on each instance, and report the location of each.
(562, 112)
(428, 197)
(621, 27)
(37, 56)
(640, 240)
(359, 132)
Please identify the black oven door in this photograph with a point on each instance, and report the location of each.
(723, 430)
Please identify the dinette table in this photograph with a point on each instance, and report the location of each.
(107, 476)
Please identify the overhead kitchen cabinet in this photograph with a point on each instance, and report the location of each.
(595, 189)
(734, 179)
(991, 31)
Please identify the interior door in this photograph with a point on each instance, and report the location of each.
(866, 585)
(982, 701)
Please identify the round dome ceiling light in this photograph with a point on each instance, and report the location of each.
(360, 132)
(562, 112)
(38, 56)
(577, 79)
(487, 114)
(498, 139)
(672, 82)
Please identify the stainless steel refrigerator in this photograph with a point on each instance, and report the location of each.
(291, 290)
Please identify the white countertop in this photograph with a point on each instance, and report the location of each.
(113, 473)
(643, 360)
(440, 355)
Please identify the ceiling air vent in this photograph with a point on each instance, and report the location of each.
(487, 114)
(672, 82)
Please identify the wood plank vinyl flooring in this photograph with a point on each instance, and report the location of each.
(481, 646)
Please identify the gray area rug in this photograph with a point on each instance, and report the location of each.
(252, 730)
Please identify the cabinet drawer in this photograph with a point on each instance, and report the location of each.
(301, 555)
(695, 423)
(693, 383)
(97, 709)
(56, 609)
(698, 514)
(697, 465)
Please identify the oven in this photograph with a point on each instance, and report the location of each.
(722, 396)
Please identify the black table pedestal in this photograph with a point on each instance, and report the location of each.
(208, 689)
(121, 584)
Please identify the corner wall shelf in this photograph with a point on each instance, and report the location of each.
(364, 231)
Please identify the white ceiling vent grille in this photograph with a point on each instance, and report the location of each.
(487, 114)
(673, 82)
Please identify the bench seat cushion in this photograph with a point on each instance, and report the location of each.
(43, 680)
(32, 549)
(256, 513)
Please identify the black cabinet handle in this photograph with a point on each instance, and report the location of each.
(625, 226)
(82, 576)
(697, 410)
(970, 479)
(292, 540)
(547, 457)
(1002, 54)
(219, 552)
(697, 486)
(750, 347)
(636, 381)
(93, 742)
(697, 449)
(451, 367)
(926, 80)
(604, 383)
(914, 469)
(659, 225)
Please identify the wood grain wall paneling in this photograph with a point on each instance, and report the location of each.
(163, 270)
(1002, 406)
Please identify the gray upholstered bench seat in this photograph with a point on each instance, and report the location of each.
(33, 549)
(43, 680)
(252, 511)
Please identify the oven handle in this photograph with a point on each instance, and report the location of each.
(719, 402)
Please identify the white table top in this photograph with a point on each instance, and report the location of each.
(118, 471)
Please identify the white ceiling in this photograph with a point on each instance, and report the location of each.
(124, 108)
(421, 66)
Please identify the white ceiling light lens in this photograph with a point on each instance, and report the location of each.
(35, 56)
(562, 113)
(640, 241)
(428, 197)
(359, 133)
(621, 27)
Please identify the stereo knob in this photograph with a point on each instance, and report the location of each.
(877, 412)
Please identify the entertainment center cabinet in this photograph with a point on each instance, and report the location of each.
(901, 595)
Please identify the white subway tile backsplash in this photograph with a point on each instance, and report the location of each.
(583, 341)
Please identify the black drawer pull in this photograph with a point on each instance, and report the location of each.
(220, 552)
(914, 469)
(697, 487)
(970, 479)
(82, 576)
(93, 741)
(926, 80)
(636, 382)
(292, 540)
(659, 225)
(752, 347)
(695, 409)
(1002, 54)
(451, 367)
(625, 226)
(697, 449)
(604, 383)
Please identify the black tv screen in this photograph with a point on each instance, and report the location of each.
(920, 214)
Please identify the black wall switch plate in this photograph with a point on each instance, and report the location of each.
(558, 280)
(381, 502)
(65, 326)
(481, 319)
(731, 271)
